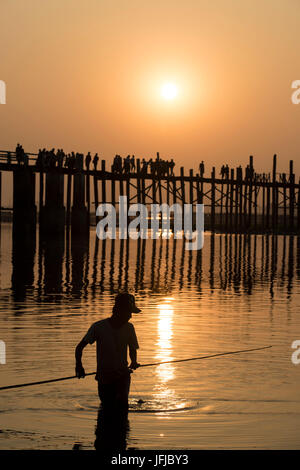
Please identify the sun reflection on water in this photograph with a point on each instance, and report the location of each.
(164, 351)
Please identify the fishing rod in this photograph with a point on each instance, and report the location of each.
(141, 365)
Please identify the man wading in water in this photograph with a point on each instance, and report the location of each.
(113, 335)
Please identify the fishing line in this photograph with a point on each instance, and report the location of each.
(141, 365)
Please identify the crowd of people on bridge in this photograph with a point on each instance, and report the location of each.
(251, 175)
(21, 156)
(158, 167)
(122, 166)
(59, 159)
(248, 175)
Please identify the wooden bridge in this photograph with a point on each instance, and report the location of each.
(239, 200)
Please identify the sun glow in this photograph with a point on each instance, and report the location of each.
(169, 91)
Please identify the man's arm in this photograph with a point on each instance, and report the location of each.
(133, 346)
(133, 357)
(79, 370)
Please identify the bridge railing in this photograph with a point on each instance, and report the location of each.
(10, 157)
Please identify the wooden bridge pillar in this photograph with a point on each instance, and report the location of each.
(240, 196)
(69, 189)
(251, 177)
(113, 188)
(52, 217)
(192, 195)
(88, 194)
(79, 217)
(274, 195)
(298, 207)
(231, 199)
(138, 181)
(182, 192)
(292, 195)
(267, 225)
(236, 191)
(24, 208)
(213, 200)
(103, 181)
(0, 194)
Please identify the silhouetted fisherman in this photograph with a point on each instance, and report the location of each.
(111, 431)
(114, 336)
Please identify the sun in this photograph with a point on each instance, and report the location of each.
(169, 91)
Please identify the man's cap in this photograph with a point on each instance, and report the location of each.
(125, 300)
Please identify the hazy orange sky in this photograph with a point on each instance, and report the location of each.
(86, 76)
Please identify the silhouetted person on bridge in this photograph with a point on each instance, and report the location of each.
(132, 163)
(72, 161)
(95, 161)
(282, 177)
(52, 158)
(39, 161)
(127, 164)
(117, 164)
(20, 154)
(239, 173)
(88, 160)
(201, 169)
(172, 164)
(144, 167)
(60, 156)
(79, 161)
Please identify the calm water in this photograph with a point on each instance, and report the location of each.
(239, 292)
